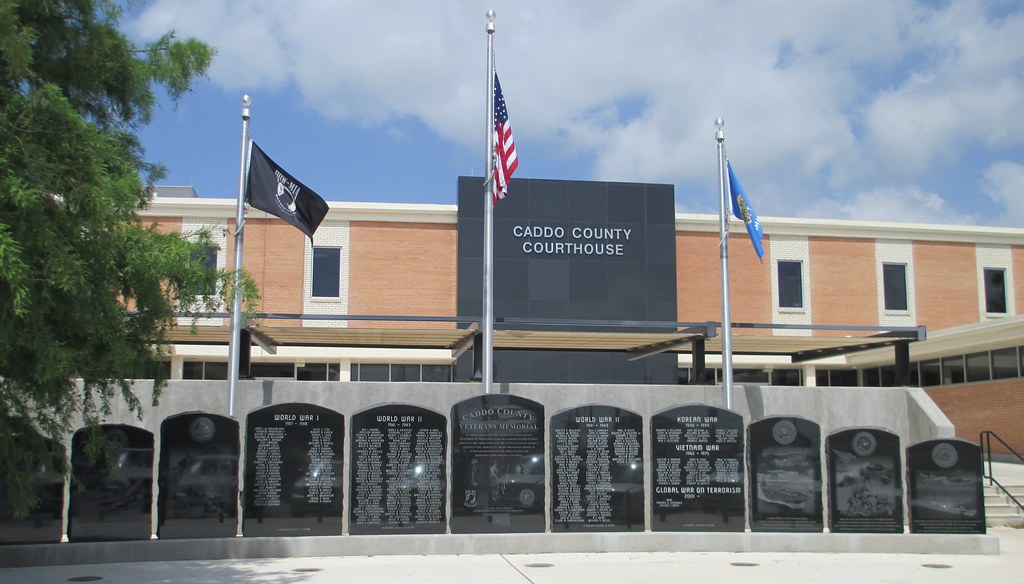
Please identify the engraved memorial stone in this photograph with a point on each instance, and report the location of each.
(785, 475)
(498, 471)
(293, 471)
(109, 504)
(865, 481)
(398, 471)
(597, 470)
(698, 470)
(198, 477)
(43, 523)
(945, 487)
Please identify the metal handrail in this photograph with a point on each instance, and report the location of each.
(985, 439)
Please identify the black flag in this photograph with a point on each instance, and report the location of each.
(273, 190)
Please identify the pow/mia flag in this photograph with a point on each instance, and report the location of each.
(273, 190)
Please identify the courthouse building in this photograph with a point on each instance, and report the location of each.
(606, 283)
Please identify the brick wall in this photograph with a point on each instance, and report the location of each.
(993, 405)
(273, 254)
(699, 280)
(843, 282)
(1017, 256)
(946, 282)
(402, 269)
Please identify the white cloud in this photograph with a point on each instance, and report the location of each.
(1003, 182)
(819, 97)
(889, 203)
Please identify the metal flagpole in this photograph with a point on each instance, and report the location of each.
(236, 308)
(723, 245)
(488, 318)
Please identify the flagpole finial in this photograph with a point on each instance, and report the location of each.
(490, 22)
(719, 124)
(246, 102)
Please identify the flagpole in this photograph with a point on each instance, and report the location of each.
(488, 286)
(236, 307)
(723, 230)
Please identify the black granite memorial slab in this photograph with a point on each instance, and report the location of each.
(112, 503)
(597, 470)
(398, 473)
(198, 477)
(785, 475)
(698, 470)
(865, 481)
(293, 471)
(498, 471)
(43, 524)
(945, 488)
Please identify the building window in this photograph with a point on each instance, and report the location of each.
(750, 376)
(871, 377)
(318, 372)
(437, 373)
(785, 377)
(931, 374)
(977, 367)
(405, 372)
(1004, 363)
(842, 377)
(204, 370)
(326, 272)
(953, 369)
(791, 289)
(995, 291)
(894, 281)
(207, 257)
(272, 370)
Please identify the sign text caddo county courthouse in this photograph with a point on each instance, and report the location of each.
(559, 240)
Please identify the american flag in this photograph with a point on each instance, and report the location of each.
(505, 161)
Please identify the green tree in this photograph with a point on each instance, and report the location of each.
(87, 290)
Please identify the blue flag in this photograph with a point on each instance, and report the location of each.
(742, 209)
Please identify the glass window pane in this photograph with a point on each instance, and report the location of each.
(977, 367)
(750, 376)
(215, 370)
(1004, 363)
(995, 291)
(786, 377)
(952, 370)
(405, 372)
(207, 257)
(333, 372)
(437, 373)
(311, 372)
(791, 291)
(871, 377)
(894, 277)
(272, 370)
(821, 378)
(915, 377)
(326, 272)
(373, 372)
(930, 373)
(887, 376)
(843, 377)
(192, 370)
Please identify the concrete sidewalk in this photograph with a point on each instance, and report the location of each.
(591, 568)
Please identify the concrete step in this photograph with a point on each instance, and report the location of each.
(999, 510)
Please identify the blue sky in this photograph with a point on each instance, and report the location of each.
(867, 110)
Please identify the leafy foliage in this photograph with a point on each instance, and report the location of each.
(86, 290)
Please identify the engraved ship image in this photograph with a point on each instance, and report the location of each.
(786, 488)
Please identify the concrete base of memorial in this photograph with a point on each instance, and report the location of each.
(267, 547)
